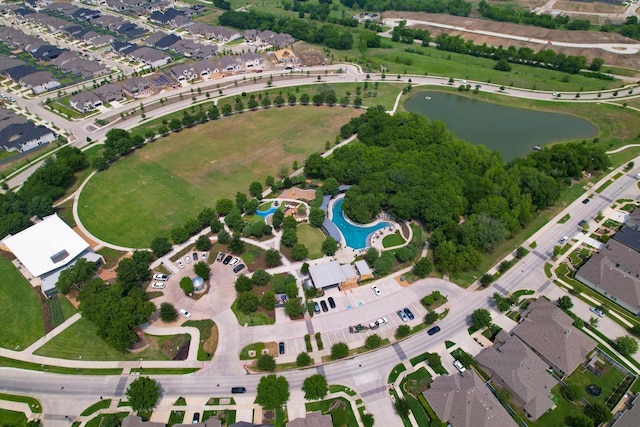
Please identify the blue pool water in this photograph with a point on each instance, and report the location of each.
(266, 213)
(355, 235)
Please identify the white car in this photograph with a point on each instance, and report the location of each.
(382, 321)
(185, 313)
(459, 366)
(160, 276)
(180, 264)
(158, 285)
(555, 94)
(597, 311)
(187, 259)
(563, 240)
(376, 290)
(204, 255)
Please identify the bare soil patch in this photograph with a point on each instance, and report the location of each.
(576, 6)
(299, 194)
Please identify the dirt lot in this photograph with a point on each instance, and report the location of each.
(578, 6)
(631, 61)
(309, 57)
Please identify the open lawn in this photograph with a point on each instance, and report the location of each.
(12, 418)
(562, 414)
(172, 180)
(22, 324)
(80, 341)
(608, 381)
(312, 238)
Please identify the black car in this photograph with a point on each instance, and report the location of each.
(332, 303)
(227, 259)
(238, 268)
(409, 313)
(196, 418)
(195, 256)
(587, 200)
(220, 256)
(316, 307)
(323, 304)
(238, 390)
(434, 330)
(281, 347)
(583, 222)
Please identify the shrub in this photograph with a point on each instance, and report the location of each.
(339, 350)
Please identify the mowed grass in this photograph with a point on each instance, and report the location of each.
(312, 238)
(80, 341)
(21, 321)
(165, 183)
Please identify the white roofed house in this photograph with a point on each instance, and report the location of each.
(85, 101)
(48, 247)
(251, 60)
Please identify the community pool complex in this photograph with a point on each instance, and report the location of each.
(356, 236)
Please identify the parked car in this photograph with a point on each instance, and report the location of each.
(332, 303)
(157, 285)
(220, 256)
(160, 276)
(204, 255)
(382, 321)
(227, 259)
(563, 240)
(376, 290)
(238, 268)
(597, 311)
(196, 418)
(582, 223)
(323, 304)
(402, 316)
(409, 313)
(185, 313)
(187, 259)
(281, 347)
(180, 264)
(316, 307)
(459, 366)
(195, 256)
(238, 390)
(235, 261)
(434, 330)
(587, 200)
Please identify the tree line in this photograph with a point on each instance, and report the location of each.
(327, 35)
(465, 196)
(452, 7)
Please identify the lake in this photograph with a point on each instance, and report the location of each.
(513, 132)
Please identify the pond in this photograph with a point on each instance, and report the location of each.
(354, 235)
(513, 132)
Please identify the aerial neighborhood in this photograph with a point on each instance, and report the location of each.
(326, 213)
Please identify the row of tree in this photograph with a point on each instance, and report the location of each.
(452, 7)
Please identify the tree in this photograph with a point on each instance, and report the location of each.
(293, 307)
(202, 269)
(247, 302)
(627, 345)
(277, 218)
(502, 65)
(339, 350)
(168, 312)
(371, 256)
(236, 245)
(186, 285)
(289, 237)
(272, 258)
(255, 189)
(329, 246)
(160, 246)
(565, 302)
(315, 387)
(299, 252)
(266, 362)
(243, 284)
(373, 341)
(402, 407)
(215, 225)
(503, 304)
(598, 413)
(224, 206)
(260, 277)
(423, 267)
(203, 243)
(596, 64)
(268, 300)
(303, 359)
(521, 252)
(582, 421)
(143, 394)
(572, 392)
(403, 331)
(480, 318)
(431, 317)
(179, 235)
(316, 217)
(273, 391)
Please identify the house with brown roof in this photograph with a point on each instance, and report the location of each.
(516, 368)
(313, 419)
(614, 272)
(109, 92)
(464, 400)
(550, 333)
(85, 101)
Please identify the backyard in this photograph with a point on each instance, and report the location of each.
(162, 185)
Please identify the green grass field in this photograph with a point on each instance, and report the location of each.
(80, 341)
(312, 238)
(173, 179)
(12, 418)
(22, 324)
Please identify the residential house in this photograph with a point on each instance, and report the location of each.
(109, 92)
(270, 38)
(85, 101)
(183, 72)
(631, 415)
(312, 419)
(515, 367)
(251, 60)
(131, 31)
(204, 69)
(102, 40)
(152, 57)
(22, 136)
(164, 18)
(464, 400)
(225, 34)
(229, 63)
(38, 82)
(136, 86)
(116, 5)
(161, 40)
(549, 332)
(286, 57)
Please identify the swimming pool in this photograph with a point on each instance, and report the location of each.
(355, 235)
(266, 213)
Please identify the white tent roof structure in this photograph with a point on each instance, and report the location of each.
(46, 246)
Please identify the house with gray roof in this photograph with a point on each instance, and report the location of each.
(135, 86)
(550, 333)
(614, 272)
(183, 72)
(85, 101)
(229, 63)
(515, 367)
(251, 60)
(101, 40)
(109, 92)
(39, 82)
(24, 136)
(312, 419)
(152, 57)
(631, 416)
(204, 68)
(464, 400)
